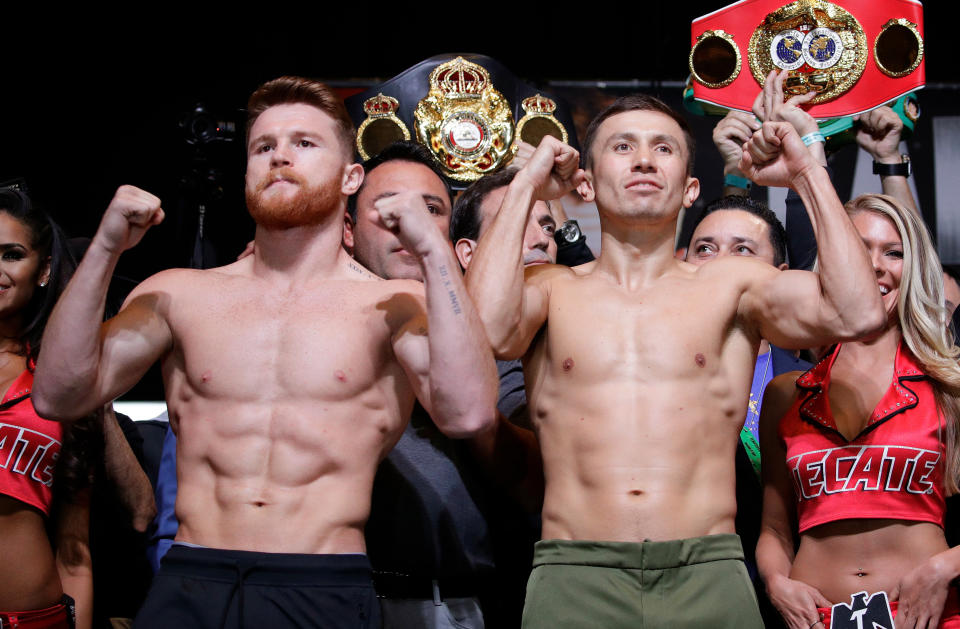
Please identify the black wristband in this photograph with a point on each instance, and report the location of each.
(903, 169)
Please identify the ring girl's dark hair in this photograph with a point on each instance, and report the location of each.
(48, 241)
(82, 440)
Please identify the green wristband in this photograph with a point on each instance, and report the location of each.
(737, 182)
(812, 138)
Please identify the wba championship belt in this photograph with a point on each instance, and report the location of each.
(855, 55)
(468, 110)
(464, 121)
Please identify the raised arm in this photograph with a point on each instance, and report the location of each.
(82, 364)
(512, 310)
(797, 602)
(451, 367)
(797, 309)
(879, 135)
(771, 105)
(729, 136)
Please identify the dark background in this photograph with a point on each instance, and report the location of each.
(91, 99)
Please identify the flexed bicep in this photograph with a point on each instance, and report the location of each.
(69, 384)
(411, 346)
(533, 315)
(132, 341)
(790, 310)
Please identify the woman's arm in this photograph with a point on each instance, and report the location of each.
(922, 592)
(879, 135)
(797, 602)
(74, 563)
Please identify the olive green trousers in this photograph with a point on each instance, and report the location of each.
(699, 583)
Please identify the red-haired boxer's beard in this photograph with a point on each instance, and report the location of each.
(309, 206)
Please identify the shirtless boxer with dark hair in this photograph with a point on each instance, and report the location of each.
(638, 367)
(289, 375)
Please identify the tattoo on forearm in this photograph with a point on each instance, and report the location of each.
(448, 284)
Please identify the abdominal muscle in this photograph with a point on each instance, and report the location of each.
(849, 556)
(291, 477)
(651, 467)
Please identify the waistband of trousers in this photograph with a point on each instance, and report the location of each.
(645, 555)
(268, 568)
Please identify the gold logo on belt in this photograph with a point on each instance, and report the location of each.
(464, 121)
(821, 45)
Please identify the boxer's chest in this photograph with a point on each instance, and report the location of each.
(672, 330)
(328, 345)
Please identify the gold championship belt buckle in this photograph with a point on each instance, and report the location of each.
(821, 46)
(381, 128)
(854, 57)
(464, 121)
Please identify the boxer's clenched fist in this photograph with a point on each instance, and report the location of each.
(775, 156)
(131, 212)
(553, 169)
(406, 214)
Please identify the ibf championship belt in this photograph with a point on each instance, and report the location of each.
(854, 57)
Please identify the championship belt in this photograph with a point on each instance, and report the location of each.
(538, 120)
(468, 110)
(854, 57)
(464, 121)
(381, 127)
